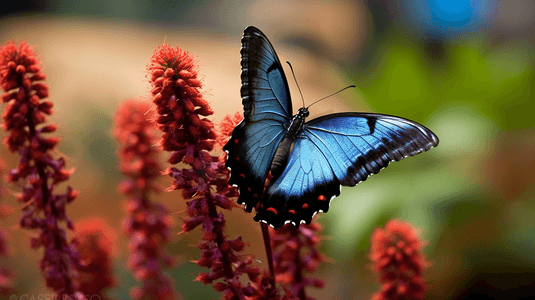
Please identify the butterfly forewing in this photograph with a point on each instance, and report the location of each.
(267, 111)
(264, 90)
(361, 144)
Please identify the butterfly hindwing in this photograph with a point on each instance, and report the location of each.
(250, 150)
(334, 150)
(267, 111)
(305, 187)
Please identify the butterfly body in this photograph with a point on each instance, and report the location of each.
(309, 161)
(295, 128)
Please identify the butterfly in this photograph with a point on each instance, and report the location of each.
(309, 161)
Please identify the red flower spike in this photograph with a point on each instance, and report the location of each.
(96, 243)
(38, 172)
(294, 253)
(6, 276)
(188, 135)
(397, 254)
(147, 224)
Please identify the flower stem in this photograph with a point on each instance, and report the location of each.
(39, 165)
(269, 252)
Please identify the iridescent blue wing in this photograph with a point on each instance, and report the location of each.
(334, 150)
(264, 89)
(267, 110)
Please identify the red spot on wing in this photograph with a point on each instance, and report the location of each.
(236, 141)
(249, 189)
(322, 198)
(305, 206)
(237, 158)
(242, 175)
(255, 195)
(291, 211)
(271, 209)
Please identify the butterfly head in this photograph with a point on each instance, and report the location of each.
(303, 112)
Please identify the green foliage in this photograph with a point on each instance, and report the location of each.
(498, 83)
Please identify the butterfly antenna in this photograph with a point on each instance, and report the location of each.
(351, 86)
(303, 99)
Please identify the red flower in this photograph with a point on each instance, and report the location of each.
(175, 91)
(6, 277)
(398, 258)
(148, 225)
(39, 172)
(189, 136)
(226, 127)
(295, 252)
(96, 242)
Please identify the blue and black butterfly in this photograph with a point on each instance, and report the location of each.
(309, 161)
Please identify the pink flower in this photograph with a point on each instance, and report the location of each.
(398, 258)
(38, 171)
(148, 225)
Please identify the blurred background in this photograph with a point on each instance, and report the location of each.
(465, 69)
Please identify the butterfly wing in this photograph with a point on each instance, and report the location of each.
(264, 89)
(334, 150)
(267, 111)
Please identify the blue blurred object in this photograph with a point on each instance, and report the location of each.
(443, 18)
